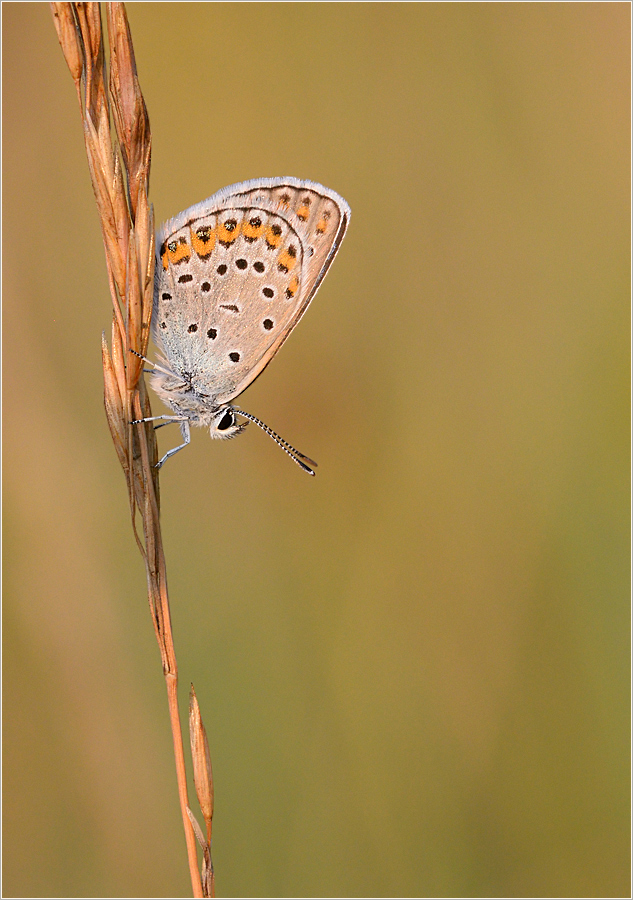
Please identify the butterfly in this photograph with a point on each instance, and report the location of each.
(234, 274)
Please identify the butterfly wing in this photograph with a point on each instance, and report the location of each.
(236, 273)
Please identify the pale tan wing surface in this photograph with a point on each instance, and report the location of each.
(236, 273)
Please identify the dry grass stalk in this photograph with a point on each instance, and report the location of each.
(119, 163)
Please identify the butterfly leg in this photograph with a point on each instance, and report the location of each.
(154, 364)
(170, 419)
(186, 434)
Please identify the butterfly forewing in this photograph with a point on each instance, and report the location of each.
(236, 273)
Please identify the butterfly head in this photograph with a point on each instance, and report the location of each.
(224, 424)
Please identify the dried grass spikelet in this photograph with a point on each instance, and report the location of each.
(202, 771)
(203, 780)
(119, 163)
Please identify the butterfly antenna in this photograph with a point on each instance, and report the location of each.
(301, 460)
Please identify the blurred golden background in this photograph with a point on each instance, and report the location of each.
(414, 668)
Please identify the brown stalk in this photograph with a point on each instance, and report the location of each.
(119, 163)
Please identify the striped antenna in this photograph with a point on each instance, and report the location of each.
(303, 461)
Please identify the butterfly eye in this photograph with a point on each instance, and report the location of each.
(227, 421)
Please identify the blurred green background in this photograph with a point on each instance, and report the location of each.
(414, 668)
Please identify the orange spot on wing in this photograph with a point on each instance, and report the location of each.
(251, 230)
(303, 212)
(203, 240)
(293, 284)
(178, 251)
(273, 236)
(286, 260)
(321, 226)
(229, 231)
